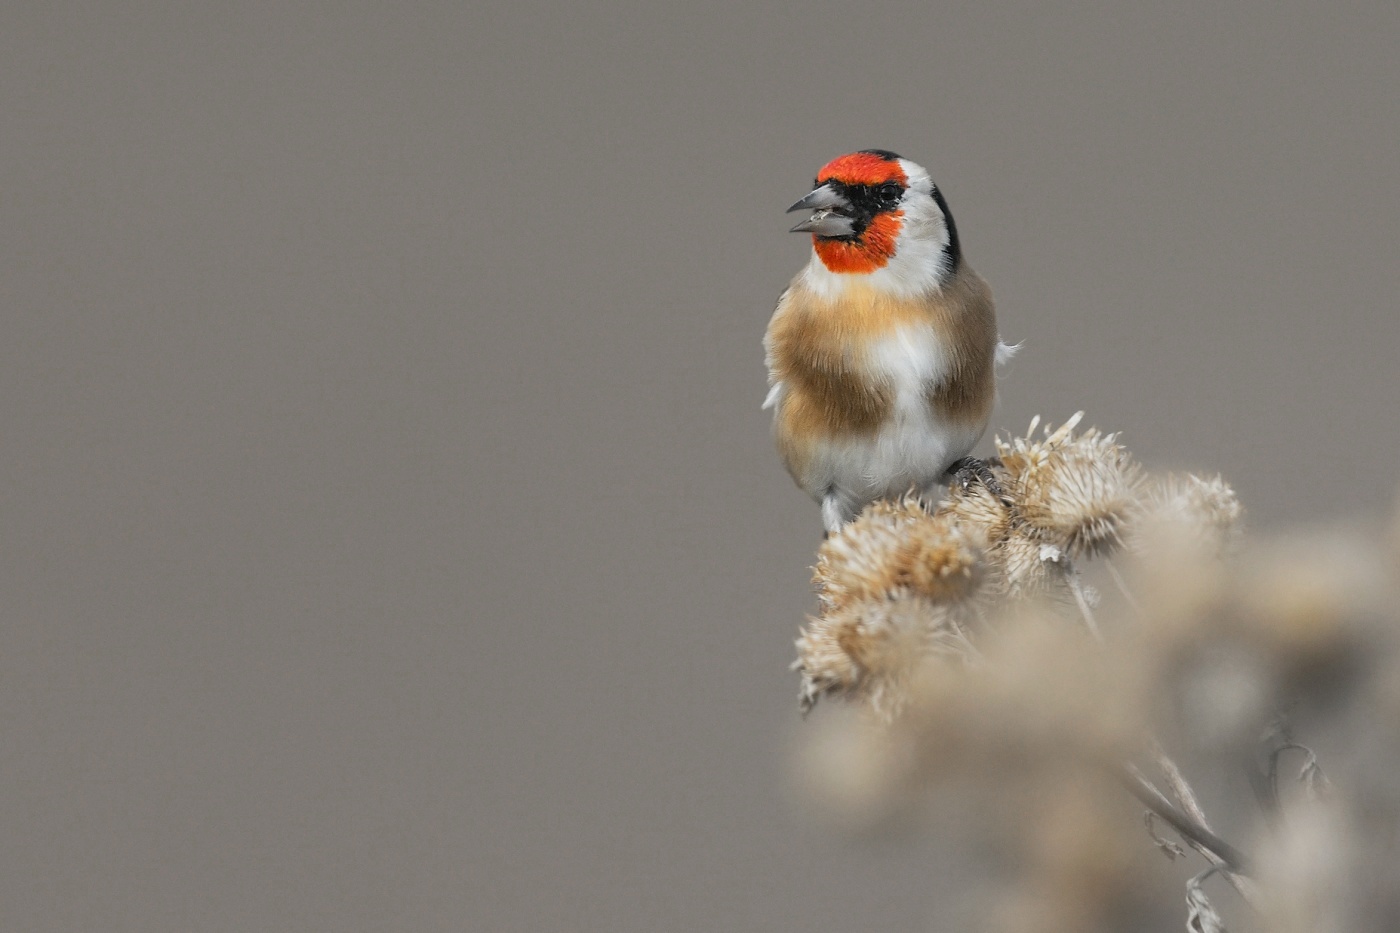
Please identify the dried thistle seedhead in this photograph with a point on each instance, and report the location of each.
(867, 651)
(895, 587)
(980, 514)
(893, 549)
(1076, 492)
(1020, 563)
(1207, 643)
(1306, 602)
(1042, 692)
(1058, 497)
(1180, 586)
(826, 666)
(1026, 566)
(1204, 508)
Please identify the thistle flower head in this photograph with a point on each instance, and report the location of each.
(893, 549)
(906, 581)
(1202, 508)
(1076, 492)
(827, 668)
(977, 511)
(869, 650)
(893, 586)
(1199, 648)
(1027, 566)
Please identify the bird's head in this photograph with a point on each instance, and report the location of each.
(872, 210)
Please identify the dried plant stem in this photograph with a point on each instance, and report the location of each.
(957, 636)
(1200, 837)
(1080, 599)
(1229, 860)
(1181, 789)
(1202, 916)
(1263, 776)
(1172, 850)
(1179, 786)
(1084, 608)
(1190, 823)
(1123, 588)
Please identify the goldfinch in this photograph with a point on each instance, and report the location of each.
(882, 351)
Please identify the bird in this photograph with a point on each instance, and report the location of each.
(882, 351)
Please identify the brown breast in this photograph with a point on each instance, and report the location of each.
(817, 348)
(964, 314)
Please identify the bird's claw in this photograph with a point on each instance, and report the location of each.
(971, 470)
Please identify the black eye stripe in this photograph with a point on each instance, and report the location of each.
(887, 189)
(866, 202)
(871, 198)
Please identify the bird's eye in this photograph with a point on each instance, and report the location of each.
(890, 192)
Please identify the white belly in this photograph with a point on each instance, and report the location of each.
(913, 451)
(913, 448)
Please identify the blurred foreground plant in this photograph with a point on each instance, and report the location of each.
(966, 635)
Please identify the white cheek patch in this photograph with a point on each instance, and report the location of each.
(915, 269)
(919, 264)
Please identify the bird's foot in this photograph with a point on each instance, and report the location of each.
(969, 470)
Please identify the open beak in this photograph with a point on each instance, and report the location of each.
(828, 218)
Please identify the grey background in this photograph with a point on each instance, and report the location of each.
(392, 538)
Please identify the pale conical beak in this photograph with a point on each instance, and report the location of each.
(826, 205)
